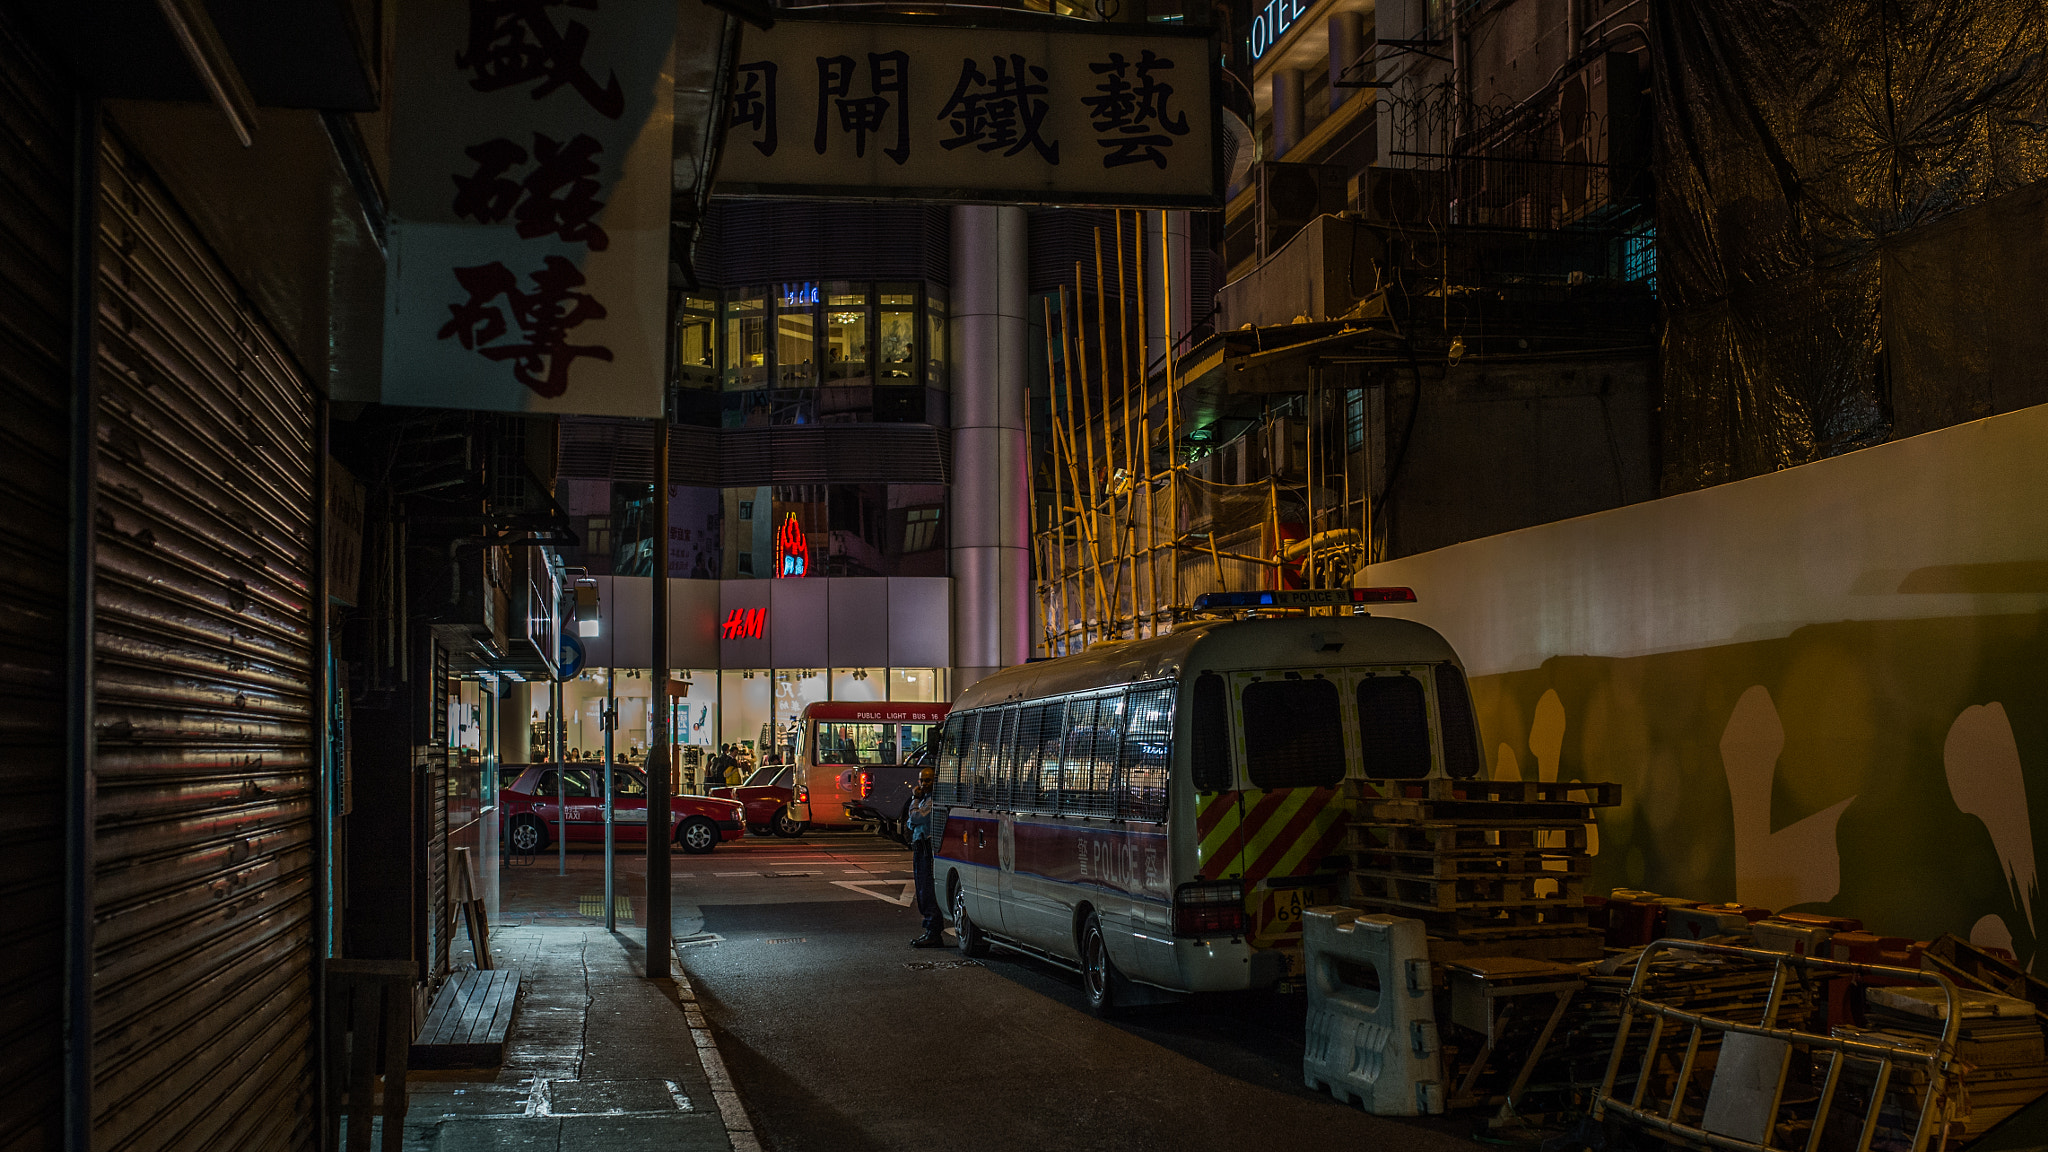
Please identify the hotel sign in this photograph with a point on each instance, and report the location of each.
(1015, 110)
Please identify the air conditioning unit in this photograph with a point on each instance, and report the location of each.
(1291, 195)
(1601, 134)
(1287, 449)
(1398, 196)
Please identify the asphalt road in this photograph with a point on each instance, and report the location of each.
(842, 1038)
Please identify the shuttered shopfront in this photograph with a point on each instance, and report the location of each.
(35, 242)
(205, 870)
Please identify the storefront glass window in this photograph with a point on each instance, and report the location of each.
(796, 352)
(696, 350)
(795, 690)
(746, 698)
(860, 684)
(746, 341)
(896, 334)
(935, 339)
(917, 685)
(846, 332)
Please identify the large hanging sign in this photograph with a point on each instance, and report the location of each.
(1014, 111)
(530, 153)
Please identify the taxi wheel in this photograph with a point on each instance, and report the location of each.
(528, 835)
(1098, 972)
(969, 937)
(788, 825)
(697, 836)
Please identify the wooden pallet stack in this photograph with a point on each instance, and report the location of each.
(1494, 867)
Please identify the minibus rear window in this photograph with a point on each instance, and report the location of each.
(1393, 728)
(1293, 734)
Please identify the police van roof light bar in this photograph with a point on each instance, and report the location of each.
(1310, 598)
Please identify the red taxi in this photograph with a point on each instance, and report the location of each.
(767, 794)
(531, 819)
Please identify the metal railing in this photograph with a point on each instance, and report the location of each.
(1667, 1123)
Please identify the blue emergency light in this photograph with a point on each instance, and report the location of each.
(1309, 598)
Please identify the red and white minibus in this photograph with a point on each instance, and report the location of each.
(1158, 812)
(849, 753)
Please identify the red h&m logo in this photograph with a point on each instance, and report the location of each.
(745, 623)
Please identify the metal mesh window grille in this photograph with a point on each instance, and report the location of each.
(1003, 773)
(1089, 775)
(1393, 728)
(1052, 731)
(954, 740)
(1147, 752)
(977, 772)
(1293, 733)
(1454, 720)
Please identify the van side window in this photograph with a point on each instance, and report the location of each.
(1454, 720)
(1147, 753)
(1029, 743)
(1209, 734)
(1052, 733)
(1393, 728)
(953, 740)
(1088, 769)
(1293, 733)
(1003, 769)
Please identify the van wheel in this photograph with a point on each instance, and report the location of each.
(787, 825)
(971, 941)
(697, 836)
(1099, 977)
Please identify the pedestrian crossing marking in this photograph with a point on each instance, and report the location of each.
(906, 890)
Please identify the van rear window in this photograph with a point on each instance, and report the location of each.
(1293, 734)
(1393, 728)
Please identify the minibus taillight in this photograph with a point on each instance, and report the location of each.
(1209, 909)
(867, 784)
(803, 794)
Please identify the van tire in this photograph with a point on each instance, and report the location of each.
(787, 825)
(1100, 981)
(968, 936)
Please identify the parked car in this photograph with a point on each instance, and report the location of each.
(885, 792)
(531, 820)
(766, 795)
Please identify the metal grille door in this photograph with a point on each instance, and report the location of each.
(205, 870)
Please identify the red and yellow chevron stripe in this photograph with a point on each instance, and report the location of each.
(1262, 835)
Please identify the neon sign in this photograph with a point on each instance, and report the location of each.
(792, 554)
(1272, 22)
(745, 623)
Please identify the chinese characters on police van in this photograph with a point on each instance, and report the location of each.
(548, 190)
(998, 105)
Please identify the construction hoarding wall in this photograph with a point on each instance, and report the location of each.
(1820, 688)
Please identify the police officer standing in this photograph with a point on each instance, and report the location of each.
(919, 823)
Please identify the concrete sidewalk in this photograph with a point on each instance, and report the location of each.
(600, 1058)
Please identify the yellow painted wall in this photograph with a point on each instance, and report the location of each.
(1824, 688)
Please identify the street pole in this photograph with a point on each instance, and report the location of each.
(658, 783)
(556, 748)
(611, 714)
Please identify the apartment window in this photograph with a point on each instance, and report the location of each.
(920, 529)
(746, 509)
(1354, 418)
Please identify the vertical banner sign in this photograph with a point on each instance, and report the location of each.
(529, 193)
(1016, 110)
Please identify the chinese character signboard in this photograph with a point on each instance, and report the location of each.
(1080, 114)
(529, 194)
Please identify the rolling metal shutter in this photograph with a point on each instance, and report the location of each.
(205, 869)
(35, 208)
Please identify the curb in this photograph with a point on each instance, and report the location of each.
(738, 1128)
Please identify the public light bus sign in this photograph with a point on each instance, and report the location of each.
(1270, 23)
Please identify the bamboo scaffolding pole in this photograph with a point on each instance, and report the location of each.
(1151, 609)
(1043, 588)
(1088, 523)
(1109, 606)
(1057, 538)
(1313, 411)
(1130, 469)
(1172, 377)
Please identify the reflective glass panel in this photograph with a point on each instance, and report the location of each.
(846, 332)
(746, 342)
(796, 351)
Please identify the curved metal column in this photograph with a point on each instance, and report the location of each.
(991, 522)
